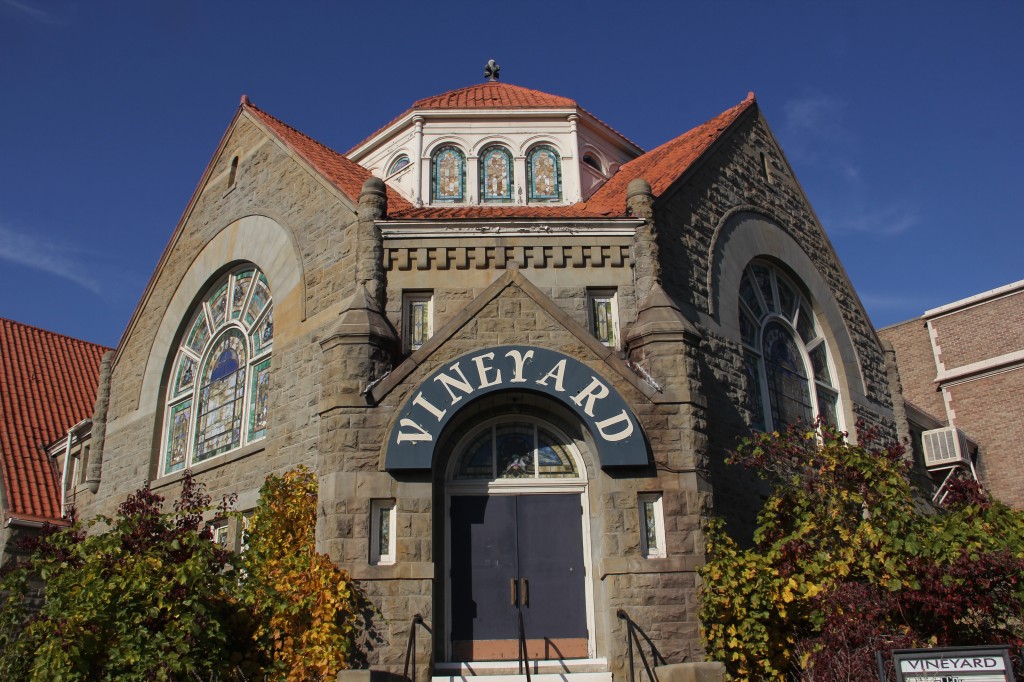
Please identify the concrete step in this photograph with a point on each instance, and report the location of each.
(575, 670)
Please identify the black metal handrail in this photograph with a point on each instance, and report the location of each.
(524, 656)
(410, 648)
(633, 634)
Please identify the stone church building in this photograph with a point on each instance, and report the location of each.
(514, 346)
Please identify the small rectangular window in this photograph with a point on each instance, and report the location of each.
(221, 533)
(382, 531)
(652, 525)
(418, 318)
(603, 314)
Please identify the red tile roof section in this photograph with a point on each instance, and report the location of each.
(47, 385)
(661, 167)
(346, 175)
(490, 95)
(494, 95)
(664, 165)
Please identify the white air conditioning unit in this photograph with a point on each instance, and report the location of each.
(945, 447)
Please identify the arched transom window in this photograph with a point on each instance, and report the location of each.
(544, 174)
(496, 174)
(515, 450)
(448, 174)
(789, 373)
(218, 391)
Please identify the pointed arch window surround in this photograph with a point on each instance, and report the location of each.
(789, 373)
(218, 394)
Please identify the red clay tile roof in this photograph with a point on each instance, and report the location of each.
(494, 95)
(661, 167)
(346, 175)
(664, 165)
(47, 385)
(489, 95)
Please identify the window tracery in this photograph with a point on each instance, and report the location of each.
(218, 396)
(786, 361)
(520, 450)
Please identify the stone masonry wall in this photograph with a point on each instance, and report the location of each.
(268, 182)
(659, 594)
(687, 219)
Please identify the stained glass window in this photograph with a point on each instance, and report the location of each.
(398, 164)
(652, 525)
(603, 323)
(383, 545)
(544, 175)
(788, 375)
(515, 450)
(496, 174)
(418, 319)
(448, 174)
(218, 395)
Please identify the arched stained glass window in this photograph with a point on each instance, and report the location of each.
(218, 393)
(515, 450)
(786, 360)
(544, 174)
(398, 164)
(496, 174)
(448, 174)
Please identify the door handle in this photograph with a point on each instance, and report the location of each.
(525, 591)
(513, 591)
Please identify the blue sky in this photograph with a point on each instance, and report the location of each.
(902, 120)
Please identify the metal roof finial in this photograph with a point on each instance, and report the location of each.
(491, 70)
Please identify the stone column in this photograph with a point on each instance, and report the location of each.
(899, 406)
(99, 425)
(640, 204)
(373, 205)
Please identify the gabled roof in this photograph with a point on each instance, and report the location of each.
(665, 164)
(346, 175)
(661, 167)
(47, 385)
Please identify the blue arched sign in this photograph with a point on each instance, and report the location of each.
(612, 424)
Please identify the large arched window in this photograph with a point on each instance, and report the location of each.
(544, 174)
(448, 174)
(218, 391)
(789, 374)
(496, 174)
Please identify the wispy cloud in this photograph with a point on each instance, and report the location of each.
(54, 14)
(887, 221)
(816, 133)
(45, 255)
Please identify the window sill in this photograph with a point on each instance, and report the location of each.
(210, 465)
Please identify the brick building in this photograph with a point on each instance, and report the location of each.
(962, 372)
(514, 346)
(47, 388)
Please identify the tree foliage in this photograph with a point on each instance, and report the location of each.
(309, 613)
(847, 560)
(151, 597)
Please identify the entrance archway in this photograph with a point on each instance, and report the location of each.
(518, 544)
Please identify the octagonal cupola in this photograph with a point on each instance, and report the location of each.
(495, 144)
